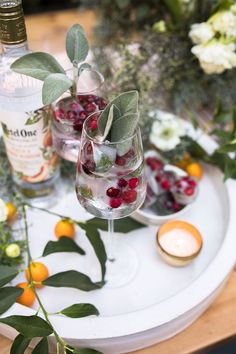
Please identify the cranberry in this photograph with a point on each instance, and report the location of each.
(91, 98)
(59, 113)
(102, 104)
(120, 161)
(82, 98)
(83, 114)
(93, 125)
(71, 115)
(112, 192)
(192, 183)
(115, 202)
(88, 148)
(78, 125)
(90, 107)
(189, 191)
(89, 166)
(133, 182)
(122, 183)
(158, 177)
(154, 163)
(74, 105)
(176, 206)
(165, 184)
(129, 154)
(129, 196)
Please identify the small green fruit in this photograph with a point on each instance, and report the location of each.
(12, 250)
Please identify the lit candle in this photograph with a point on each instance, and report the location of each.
(179, 242)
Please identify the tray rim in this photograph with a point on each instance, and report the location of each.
(164, 312)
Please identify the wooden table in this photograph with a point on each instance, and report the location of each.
(47, 32)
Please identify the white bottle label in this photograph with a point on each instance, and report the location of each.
(28, 142)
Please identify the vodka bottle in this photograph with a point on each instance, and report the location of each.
(25, 121)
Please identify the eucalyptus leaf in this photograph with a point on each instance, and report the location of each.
(41, 347)
(76, 44)
(8, 296)
(64, 244)
(38, 65)
(71, 279)
(7, 274)
(94, 238)
(28, 326)
(20, 344)
(80, 310)
(54, 86)
(123, 225)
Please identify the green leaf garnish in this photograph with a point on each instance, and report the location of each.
(80, 310)
(54, 86)
(76, 44)
(28, 326)
(20, 344)
(124, 225)
(64, 244)
(41, 347)
(8, 296)
(71, 279)
(7, 274)
(38, 65)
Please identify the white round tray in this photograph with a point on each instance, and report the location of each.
(161, 300)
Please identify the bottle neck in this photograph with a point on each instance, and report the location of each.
(15, 49)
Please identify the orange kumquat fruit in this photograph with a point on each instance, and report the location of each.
(64, 228)
(27, 298)
(39, 273)
(194, 169)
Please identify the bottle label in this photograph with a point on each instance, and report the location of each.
(12, 23)
(28, 142)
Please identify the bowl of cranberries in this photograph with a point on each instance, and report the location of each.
(170, 191)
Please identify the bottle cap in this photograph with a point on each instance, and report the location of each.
(12, 23)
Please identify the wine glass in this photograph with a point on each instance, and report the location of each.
(111, 184)
(69, 113)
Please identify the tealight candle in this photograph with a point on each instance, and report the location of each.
(179, 242)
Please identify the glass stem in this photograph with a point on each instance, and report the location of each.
(110, 248)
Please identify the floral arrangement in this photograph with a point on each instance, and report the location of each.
(215, 41)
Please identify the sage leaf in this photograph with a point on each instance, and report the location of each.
(124, 127)
(28, 326)
(54, 86)
(84, 66)
(71, 279)
(41, 347)
(123, 225)
(19, 345)
(8, 296)
(94, 238)
(7, 274)
(105, 121)
(37, 65)
(64, 244)
(86, 351)
(80, 310)
(76, 44)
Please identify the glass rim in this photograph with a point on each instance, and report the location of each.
(106, 142)
(96, 88)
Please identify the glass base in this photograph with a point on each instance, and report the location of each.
(122, 266)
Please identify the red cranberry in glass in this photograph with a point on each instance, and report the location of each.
(90, 107)
(93, 125)
(59, 113)
(71, 115)
(78, 125)
(102, 104)
(120, 161)
(176, 206)
(83, 115)
(165, 184)
(112, 192)
(129, 154)
(133, 182)
(189, 191)
(89, 166)
(91, 98)
(122, 183)
(115, 202)
(129, 196)
(154, 163)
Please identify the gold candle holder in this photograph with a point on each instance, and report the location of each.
(178, 242)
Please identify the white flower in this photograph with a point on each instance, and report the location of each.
(3, 211)
(215, 57)
(224, 22)
(165, 134)
(201, 32)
